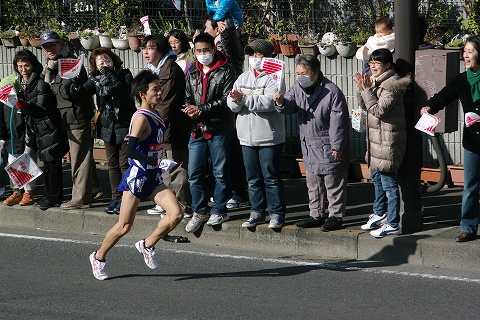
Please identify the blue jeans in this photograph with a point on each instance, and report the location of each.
(471, 171)
(387, 192)
(262, 166)
(199, 149)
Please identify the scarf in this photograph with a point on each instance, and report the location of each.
(474, 80)
(156, 69)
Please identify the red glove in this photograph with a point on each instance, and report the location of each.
(20, 103)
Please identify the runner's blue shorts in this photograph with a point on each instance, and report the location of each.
(139, 182)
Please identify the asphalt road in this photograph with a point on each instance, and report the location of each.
(46, 275)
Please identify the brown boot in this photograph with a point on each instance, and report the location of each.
(15, 198)
(27, 199)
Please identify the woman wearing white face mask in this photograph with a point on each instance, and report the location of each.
(261, 132)
(324, 135)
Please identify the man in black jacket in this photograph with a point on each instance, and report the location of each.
(208, 84)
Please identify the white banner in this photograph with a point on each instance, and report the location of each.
(274, 68)
(8, 95)
(23, 170)
(146, 25)
(427, 123)
(70, 68)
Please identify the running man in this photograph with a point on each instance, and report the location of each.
(143, 178)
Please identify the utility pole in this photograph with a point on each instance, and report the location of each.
(406, 42)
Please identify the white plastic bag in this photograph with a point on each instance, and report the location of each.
(359, 120)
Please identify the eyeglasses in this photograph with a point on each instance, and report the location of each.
(103, 62)
(149, 48)
(375, 63)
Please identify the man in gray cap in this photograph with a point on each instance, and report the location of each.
(76, 119)
(261, 131)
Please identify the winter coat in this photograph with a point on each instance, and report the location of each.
(459, 88)
(43, 118)
(172, 85)
(220, 9)
(324, 125)
(75, 112)
(258, 123)
(386, 126)
(114, 101)
(216, 115)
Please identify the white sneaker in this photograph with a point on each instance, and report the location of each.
(374, 221)
(187, 215)
(252, 222)
(385, 230)
(157, 210)
(196, 221)
(216, 219)
(148, 254)
(98, 267)
(275, 224)
(232, 204)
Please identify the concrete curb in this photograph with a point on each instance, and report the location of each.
(433, 247)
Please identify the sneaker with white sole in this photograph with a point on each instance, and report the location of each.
(148, 254)
(275, 224)
(157, 210)
(374, 221)
(385, 230)
(252, 222)
(196, 221)
(98, 267)
(216, 219)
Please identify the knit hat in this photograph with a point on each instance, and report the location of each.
(49, 36)
(261, 46)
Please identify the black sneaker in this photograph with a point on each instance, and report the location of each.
(332, 223)
(45, 203)
(465, 236)
(310, 222)
(112, 205)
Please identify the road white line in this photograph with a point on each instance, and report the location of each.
(328, 266)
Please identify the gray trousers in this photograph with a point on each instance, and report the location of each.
(177, 178)
(331, 187)
(81, 160)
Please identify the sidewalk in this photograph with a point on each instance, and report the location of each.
(434, 246)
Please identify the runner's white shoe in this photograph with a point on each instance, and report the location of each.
(148, 254)
(98, 267)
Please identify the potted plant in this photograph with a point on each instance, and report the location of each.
(24, 38)
(33, 34)
(343, 43)
(10, 38)
(326, 45)
(288, 40)
(89, 39)
(135, 35)
(275, 40)
(121, 42)
(307, 43)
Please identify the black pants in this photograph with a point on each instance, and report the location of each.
(53, 175)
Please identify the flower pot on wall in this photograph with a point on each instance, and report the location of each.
(346, 49)
(276, 43)
(456, 175)
(11, 42)
(90, 42)
(327, 50)
(121, 44)
(362, 171)
(309, 49)
(134, 42)
(24, 42)
(430, 175)
(105, 40)
(301, 167)
(35, 42)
